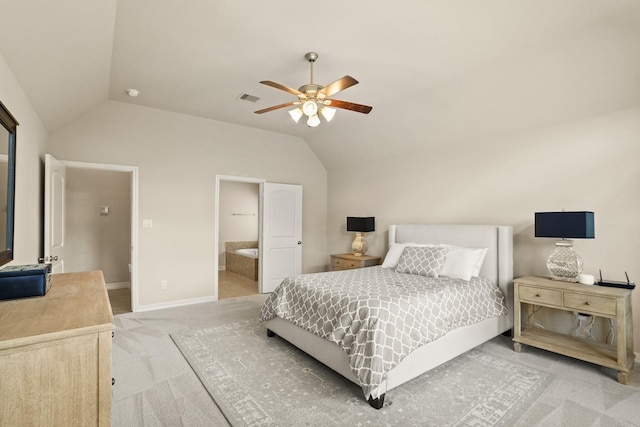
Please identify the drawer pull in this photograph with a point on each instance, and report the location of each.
(537, 295)
(586, 303)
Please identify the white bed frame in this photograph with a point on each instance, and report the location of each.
(498, 266)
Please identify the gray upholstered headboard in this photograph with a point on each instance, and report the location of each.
(498, 263)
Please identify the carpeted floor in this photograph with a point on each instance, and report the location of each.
(261, 381)
(155, 385)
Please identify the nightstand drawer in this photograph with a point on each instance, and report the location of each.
(338, 264)
(540, 295)
(344, 264)
(350, 261)
(347, 265)
(592, 303)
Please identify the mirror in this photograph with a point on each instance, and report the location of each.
(7, 182)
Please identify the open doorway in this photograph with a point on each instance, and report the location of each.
(98, 229)
(279, 218)
(96, 221)
(238, 238)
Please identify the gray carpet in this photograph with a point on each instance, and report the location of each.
(155, 386)
(261, 381)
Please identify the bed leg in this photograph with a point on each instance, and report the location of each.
(270, 333)
(376, 403)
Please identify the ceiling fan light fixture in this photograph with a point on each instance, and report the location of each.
(313, 99)
(310, 108)
(295, 114)
(328, 113)
(313, 121)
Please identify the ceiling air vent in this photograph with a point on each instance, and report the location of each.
(247, 97)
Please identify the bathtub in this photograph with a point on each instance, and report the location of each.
(242, 258)
(250, 252)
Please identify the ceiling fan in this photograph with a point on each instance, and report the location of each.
(314, 98)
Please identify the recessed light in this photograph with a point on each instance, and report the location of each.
(133, 92)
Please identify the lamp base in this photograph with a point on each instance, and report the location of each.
(359, 245)
(564, 263)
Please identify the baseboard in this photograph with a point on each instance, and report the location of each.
(171, 304)
(222, 267)
(118, 285)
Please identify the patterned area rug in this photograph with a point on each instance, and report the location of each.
(261, 381)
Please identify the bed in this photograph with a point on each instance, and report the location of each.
(497, 268)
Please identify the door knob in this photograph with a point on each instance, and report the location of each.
(53, 258)
(299, 242)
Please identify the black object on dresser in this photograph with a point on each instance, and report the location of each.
(21, 281)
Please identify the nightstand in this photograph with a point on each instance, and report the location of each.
(600, 301)
(350, 261)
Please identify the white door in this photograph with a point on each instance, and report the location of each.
(54, 188)
(281, 234)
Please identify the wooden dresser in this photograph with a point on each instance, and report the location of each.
(55, 355)
(350, 261)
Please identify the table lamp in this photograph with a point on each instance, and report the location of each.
(564, 263)
(360, 225)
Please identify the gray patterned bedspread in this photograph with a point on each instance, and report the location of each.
(378, 316)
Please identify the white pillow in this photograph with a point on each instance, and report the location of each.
(393, 255)
(463, 263)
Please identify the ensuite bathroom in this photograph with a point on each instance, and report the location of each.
(238, 239)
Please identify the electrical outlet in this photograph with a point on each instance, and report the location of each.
(163, 284)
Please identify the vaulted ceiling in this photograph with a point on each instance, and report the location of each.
(435, 71)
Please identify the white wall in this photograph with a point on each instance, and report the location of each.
(96, 241)
(30, 146)
(178, 158)
(589, 164)
(243, 200)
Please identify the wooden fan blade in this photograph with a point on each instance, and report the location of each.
(338, 85)
(275, 107)
(281, 87)
(336, 103)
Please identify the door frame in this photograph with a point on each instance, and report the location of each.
(133, 170)
(219, 178)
